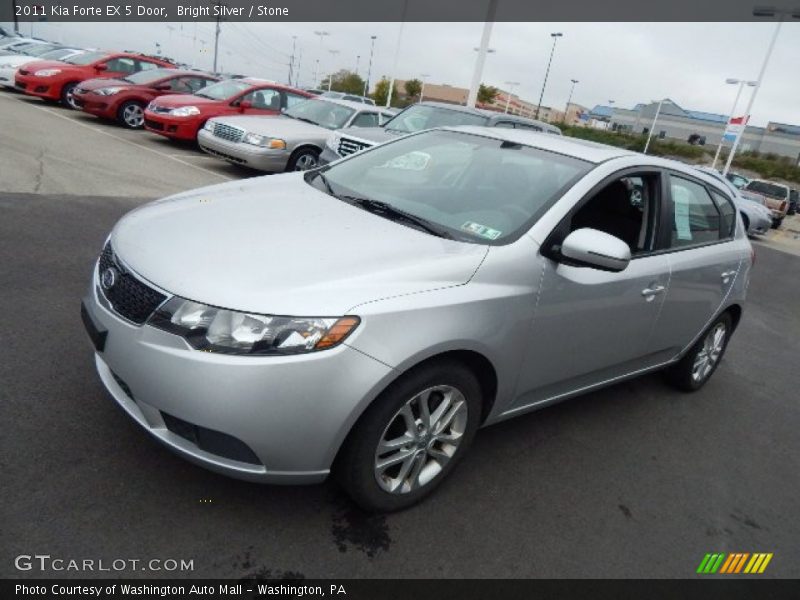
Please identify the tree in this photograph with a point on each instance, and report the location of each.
(413, 88)
(344, 81)
(381, 92)
(487, 94)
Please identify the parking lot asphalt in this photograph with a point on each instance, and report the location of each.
(636, 480)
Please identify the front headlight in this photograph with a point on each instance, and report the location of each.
(47, 72)
(185, 111)
(209, 125)
(224, 331)
(109, 91)
(333, 142)
(264, 141)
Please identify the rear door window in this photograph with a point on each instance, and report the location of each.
(122, 65)
(695, 219)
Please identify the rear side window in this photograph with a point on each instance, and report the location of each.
(728, 214)
(122, 65)
(365, 119)
(695, 218)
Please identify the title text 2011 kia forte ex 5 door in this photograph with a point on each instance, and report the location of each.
(366, 318)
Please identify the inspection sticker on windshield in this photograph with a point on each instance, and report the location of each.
(481, 230)
(412, 161)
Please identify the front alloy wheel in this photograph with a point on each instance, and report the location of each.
(411, 437)
(132, 115)
(420, 439)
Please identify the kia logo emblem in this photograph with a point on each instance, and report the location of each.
(109, 278)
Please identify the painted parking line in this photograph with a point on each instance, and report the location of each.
(79, 122)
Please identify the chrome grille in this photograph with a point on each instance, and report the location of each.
(228, 132)
(348, 146)
(130, 298)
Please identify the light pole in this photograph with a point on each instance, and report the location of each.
(569, 98)
(652, 127)
(291, 60)
(218, 4)
(422, 89)
(512, 85)
(555, 37)
(369, 68)
(330, 76)
(477, 71)
(358, 60)
(760, 12)
(397, 53)
(741, 83)
(321, 35)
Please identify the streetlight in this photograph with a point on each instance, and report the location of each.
(396, 54)
(782, 13)
(652, 127)
(741, 83)
(330, 76)
(512, 85)
(422, 89)
(369, 69)
(320, 34)
(358, 60)
(555, 37)
(477, 71)
(569, 98)
(291, 60)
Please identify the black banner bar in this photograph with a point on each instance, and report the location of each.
(389, 10)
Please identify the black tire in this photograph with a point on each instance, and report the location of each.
(66, 95)
(131, 114)
(355, 467)
(776, 223)
(301, 156)
(681, 375)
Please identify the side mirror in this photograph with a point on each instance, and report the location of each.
(245, 104)
(101, 67)
(596, 249)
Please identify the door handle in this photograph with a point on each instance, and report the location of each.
(650, 293)
(727, 275)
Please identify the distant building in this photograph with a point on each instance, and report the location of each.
(437, 92)
(677, 123)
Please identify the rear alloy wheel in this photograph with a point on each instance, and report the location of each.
(67, 96)
(411, 437)
(131, 115)
(303, 160)
(697, 366)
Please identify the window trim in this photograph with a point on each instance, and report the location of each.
(551, 248)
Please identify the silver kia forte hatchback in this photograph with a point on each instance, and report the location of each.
(366, 318)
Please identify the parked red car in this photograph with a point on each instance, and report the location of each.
(56, 79)
(125, 99)
(182, 116)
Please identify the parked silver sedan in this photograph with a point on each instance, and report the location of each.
(366, 318)
(291, 141)
(756, 217)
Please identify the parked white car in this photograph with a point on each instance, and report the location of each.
(11, 63)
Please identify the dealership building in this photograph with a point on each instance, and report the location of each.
(677, 123)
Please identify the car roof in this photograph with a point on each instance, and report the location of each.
(489, 114)
(347, 103)
(570, 146)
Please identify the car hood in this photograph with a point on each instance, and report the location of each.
(376, 135)
(277, 245)
(17, 60)
(96, 84)
(178, 100)
(276, 126)
(37, 65)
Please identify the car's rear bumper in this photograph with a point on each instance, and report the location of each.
(255, 157)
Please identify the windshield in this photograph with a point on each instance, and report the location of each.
(85, 59)
(771, 190)
(321, 112)
(58, 54)
(145, 77)
(225, 89)
(421, 116)
(475, 188)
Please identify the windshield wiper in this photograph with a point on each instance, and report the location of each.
(305, 120)
(388, 211)
(202, 95)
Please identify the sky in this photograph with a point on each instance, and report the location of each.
(624, 62)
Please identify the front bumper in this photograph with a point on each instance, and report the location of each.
(44, 87)
(263, 159)
(179, 128)
(7, 76)
(291, 413)
(100, 106)
(328, 156)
